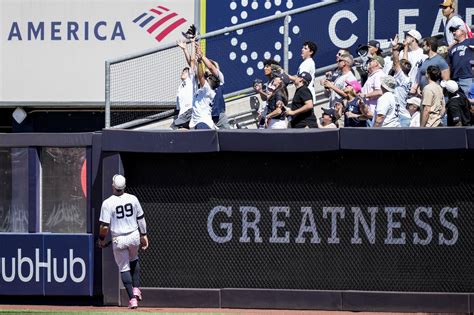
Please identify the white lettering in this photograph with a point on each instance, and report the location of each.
(307, 215)
(276, 224)
(4, 273)
(440, 20)
(26, 268)
(391, 225)
(402, 26)
(224, 226)
(343, 14)
(250, 225)
(425, 226)
(21, 261)
(449, 225)
(76, 260)
(359, 219)
(334, 212)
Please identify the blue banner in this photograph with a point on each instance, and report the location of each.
(342, 25)
(46, 264)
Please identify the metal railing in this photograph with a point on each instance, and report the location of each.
(285, 15)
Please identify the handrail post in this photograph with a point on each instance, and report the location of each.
(107, 94)
(286, 32)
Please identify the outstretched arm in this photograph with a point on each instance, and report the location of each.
(209, 65)
(182, 45)
(200, 66)
(396, 54)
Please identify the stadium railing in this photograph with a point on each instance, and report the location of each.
(141, 87)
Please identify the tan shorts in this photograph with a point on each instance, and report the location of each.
(126, 249)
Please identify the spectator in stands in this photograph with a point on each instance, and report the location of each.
(457, 107)
(333, 75)
(373, 49)
(308, 65)
(432, 105)
(412, 52)
(202, 117)
(276, 102)
(328, 119)
(301, 114)
(218, 103)
(413, 107)
(269, 70)
(460, 56)
(352, 115)
(430, 48)
(184, 98)
(344, 64)
(386, 112)
(371, 91)
(400, 70)
(452, 20)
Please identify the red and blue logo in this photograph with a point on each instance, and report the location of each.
(159, 21)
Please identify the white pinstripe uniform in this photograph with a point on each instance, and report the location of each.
(122, 213)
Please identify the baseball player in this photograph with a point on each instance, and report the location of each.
(123, 215)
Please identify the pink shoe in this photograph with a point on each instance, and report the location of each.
(137, 293)
(133, 303)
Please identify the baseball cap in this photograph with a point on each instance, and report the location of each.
(415, 34)
(379, 59)
(305, 76)
(447, 3)
(454, 28)
(374, 43)
(415, 101)
(329, 111)
(118, 181)
(450, 86)
(355, 85)
(388, 82)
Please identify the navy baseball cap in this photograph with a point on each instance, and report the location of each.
(374, 43)
(305, 76)
(330, 111)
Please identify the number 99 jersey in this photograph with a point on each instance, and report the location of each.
(122, 213)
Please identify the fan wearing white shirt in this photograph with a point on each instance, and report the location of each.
(413, 53)
(202, 104)
(387, 111)
(308, 65)
(186, 89)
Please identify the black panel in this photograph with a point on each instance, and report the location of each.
(178, 192)
(405, 302)
(41, 139)
(470, 138)
(160, 141)
(281, 299)
(159, 297)
(403, 138)
(293, 140)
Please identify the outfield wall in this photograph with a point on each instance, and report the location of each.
(344, 219)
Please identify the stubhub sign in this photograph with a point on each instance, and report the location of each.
(46, 264)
